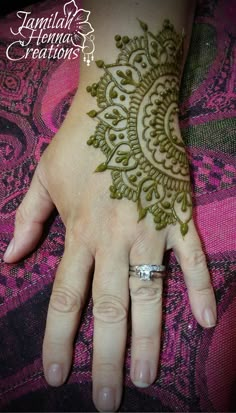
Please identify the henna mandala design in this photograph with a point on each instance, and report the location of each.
(137, 126)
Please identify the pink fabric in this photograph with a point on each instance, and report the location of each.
(197, 367)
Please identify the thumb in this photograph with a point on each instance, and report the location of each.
(30, 217)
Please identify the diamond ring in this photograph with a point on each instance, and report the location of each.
(147, 272)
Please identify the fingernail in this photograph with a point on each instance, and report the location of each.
(106, 399)
(9, 250)
(55, 377)
(142, 374)
(209, 317)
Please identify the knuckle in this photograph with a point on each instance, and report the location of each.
(150, 294)
(106, 371)
(109, 309)
(200, 287)
(145, 344)
(78, 233)
(105, 367)
(195, 261)
(141, 246)
(64, 300)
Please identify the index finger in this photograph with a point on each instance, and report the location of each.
(65, 307)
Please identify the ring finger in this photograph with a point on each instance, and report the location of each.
(146, 312)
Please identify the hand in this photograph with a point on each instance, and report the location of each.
(146, 211)
(103, 233)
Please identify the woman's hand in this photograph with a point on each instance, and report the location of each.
(130, 212)
(103, 235)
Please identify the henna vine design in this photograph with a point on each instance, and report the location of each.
(137, 126)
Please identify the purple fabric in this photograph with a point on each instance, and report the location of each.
(197, 367)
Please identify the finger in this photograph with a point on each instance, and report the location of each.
(192, 260)
(111, 298)
(66, 303)
(146, 311)
(30, 217)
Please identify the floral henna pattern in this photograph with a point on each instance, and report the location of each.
(137, 126)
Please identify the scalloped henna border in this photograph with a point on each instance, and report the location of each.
(137, 99)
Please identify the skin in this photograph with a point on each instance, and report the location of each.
(100, 246)
(138, 126)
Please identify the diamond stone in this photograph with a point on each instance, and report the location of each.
(144, 273)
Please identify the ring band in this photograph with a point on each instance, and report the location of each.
(146, 272)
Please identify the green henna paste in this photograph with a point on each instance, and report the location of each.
(137, 99)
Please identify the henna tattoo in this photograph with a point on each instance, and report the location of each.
(137, 126)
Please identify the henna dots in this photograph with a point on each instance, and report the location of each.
(137, 128)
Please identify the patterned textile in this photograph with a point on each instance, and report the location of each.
(197, 367)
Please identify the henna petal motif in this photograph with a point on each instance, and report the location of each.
(137, 129)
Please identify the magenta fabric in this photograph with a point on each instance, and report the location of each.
(197, 367)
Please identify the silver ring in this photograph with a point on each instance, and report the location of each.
(146, 272)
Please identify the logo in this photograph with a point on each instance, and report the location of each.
(62, 35)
